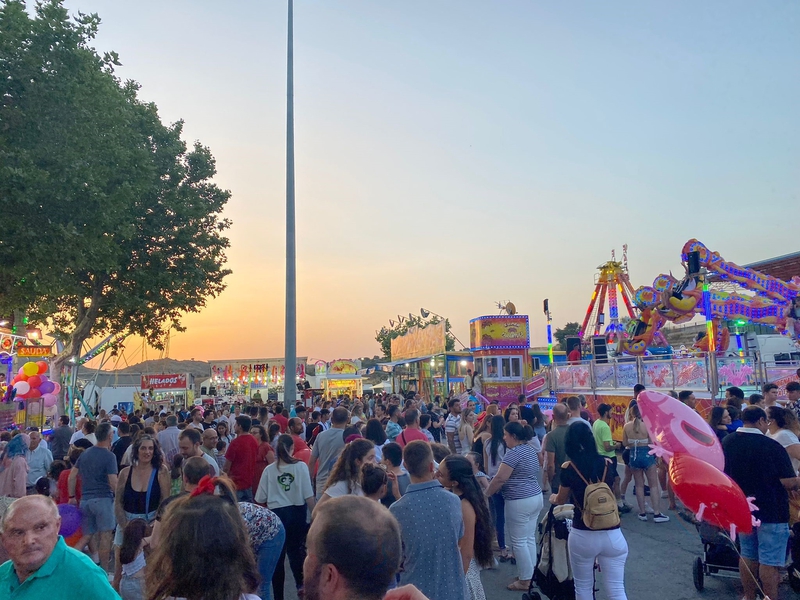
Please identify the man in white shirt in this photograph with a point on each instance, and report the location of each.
(197, 419)
(237, 410)
(39, 460)
(189, 443)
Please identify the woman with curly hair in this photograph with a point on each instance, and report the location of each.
(140, 489)
(456, 474)
(345, 478)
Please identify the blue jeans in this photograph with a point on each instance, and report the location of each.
(767, 544)
(267, 557)
(497, 504)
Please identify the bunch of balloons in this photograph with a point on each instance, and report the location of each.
(31, 383)
(696, 463)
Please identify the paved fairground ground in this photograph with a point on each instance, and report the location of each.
(659, 565)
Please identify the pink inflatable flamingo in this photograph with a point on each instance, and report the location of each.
(674, 427)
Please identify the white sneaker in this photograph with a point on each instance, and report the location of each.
(660, 518)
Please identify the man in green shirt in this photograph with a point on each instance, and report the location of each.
(42, 565)
(607, 447)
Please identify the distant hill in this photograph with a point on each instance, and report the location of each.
(201, 370)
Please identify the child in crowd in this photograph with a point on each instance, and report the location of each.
(483, 480)
(131, 556)
(176, 475)
(222, 446)
(374, 481)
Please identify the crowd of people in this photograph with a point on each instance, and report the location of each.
(361, 496)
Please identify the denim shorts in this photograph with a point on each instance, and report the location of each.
(641, 458)
(767, 544)
(97, 514)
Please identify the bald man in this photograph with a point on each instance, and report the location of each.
(554, 444)
(42, 565)
(353, 549)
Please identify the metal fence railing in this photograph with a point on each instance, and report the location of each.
(699, 374)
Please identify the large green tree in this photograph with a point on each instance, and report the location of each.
(110, 224)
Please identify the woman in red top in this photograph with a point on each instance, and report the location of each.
(265, 455)
(63, 479)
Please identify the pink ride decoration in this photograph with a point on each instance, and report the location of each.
(674, 427)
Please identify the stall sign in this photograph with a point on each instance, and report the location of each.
(35, 351)
(419, 342)
(499, 332)
(342, 367)
(164, 382)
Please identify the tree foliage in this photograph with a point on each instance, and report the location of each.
(563, 333)
(111, 225)
(385, 336)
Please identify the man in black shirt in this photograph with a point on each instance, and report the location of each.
(122, 444)
(762, 468)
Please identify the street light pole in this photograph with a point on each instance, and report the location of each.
(290, 354)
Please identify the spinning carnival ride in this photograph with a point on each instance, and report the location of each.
(612, 283)
(680, 301)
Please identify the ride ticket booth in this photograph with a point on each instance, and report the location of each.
(500, 345)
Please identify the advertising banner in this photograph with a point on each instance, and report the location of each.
(499, 332)
(164, 382)
(419, 342)
(260, 372)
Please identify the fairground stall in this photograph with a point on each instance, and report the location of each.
(339, 378)
(175, 390)
(421, 365)
(500, 345)
(240, 380)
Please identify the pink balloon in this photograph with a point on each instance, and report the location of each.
(22, 387)
(57, 387)
(49, 400)
(674, 427)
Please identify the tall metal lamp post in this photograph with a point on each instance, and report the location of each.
(290, 354)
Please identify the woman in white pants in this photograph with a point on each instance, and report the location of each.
(517, 479)
(607, 546)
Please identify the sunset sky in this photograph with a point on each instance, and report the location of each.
(453, 154)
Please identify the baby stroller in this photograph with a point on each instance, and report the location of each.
(720, 556)
(553, 573)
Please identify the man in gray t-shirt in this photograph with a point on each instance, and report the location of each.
(327, 448)
(97, 467)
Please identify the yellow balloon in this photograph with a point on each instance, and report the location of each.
(30, 369)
